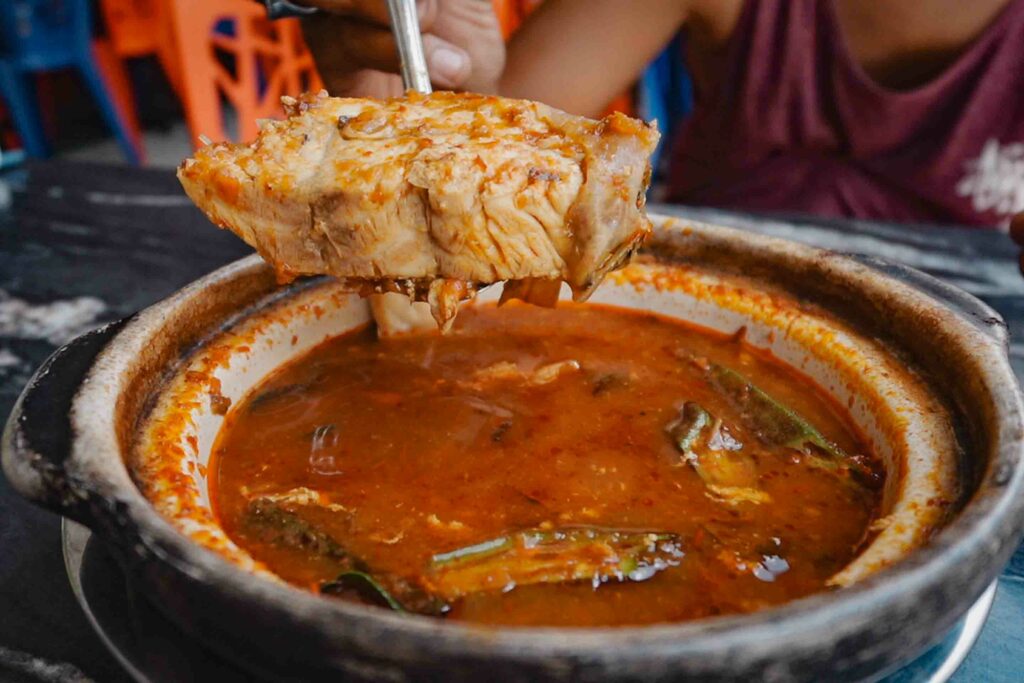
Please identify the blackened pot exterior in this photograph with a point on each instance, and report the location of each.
(54, 454)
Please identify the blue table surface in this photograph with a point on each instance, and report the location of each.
(126, 238)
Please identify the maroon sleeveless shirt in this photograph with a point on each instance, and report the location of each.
(796, 125)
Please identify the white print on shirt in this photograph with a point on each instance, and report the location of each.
(995, 180)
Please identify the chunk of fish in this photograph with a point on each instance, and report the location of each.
(507, 371)
(396, 195)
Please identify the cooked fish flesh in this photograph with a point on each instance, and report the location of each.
(434, 195)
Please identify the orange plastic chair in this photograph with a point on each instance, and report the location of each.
(43, 36)
(131, 26)
(138, 28)
(131, 32)
(511, 14)
(119, 85)
(248, 64)
(167, 45)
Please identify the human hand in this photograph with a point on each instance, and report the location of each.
(1017, 233)
(355, 53)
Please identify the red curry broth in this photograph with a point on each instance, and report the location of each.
(395, 451)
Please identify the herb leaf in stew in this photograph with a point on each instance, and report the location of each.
(364, 586)
(778, 425)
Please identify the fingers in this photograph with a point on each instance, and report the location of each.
(1017, 228)
(342, 46)
(374, 11)
(367, 83)
(370, 47)
(448, 64)
(1017, 234)
(368, 10)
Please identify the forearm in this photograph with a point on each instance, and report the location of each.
(577, 55)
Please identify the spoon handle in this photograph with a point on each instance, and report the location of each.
(406, 26)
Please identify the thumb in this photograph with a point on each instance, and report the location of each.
(448, 64)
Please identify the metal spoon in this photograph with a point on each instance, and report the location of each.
(405, 24)
(393, 315)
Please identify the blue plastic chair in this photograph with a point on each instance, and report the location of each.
(44, 35)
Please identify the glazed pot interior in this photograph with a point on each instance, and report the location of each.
(892, 406)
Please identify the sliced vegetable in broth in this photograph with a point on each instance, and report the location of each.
(728, 470)
(688, 427)
(552, 556)
(546, 467)
(363, 586)
(773, 422)
(779, 425)
(275, 524)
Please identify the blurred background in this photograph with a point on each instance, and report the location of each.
(143, 81)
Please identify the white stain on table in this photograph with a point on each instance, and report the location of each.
(23, 666)
(57, 321)
(120, 199)
(8, 359)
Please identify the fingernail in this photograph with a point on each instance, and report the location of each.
(448, 64)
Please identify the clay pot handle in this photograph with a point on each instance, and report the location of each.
(36, 445)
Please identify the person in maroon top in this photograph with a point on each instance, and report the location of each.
(902, 111)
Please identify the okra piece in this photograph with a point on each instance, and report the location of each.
(776, 424)
(282, 527)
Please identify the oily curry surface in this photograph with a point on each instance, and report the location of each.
(584, 465)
